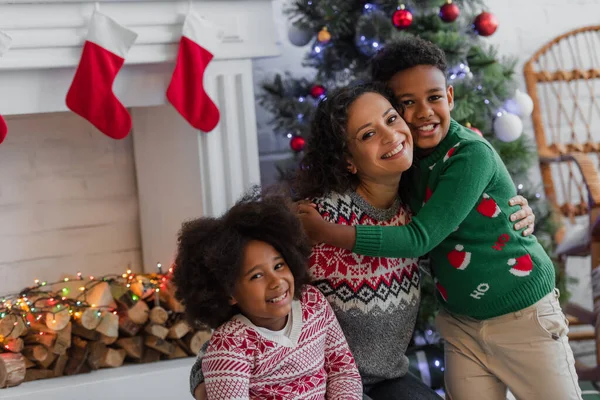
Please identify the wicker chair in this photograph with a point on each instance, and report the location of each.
(563, 80)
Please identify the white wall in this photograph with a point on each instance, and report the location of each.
(68, 201)
(524, 27)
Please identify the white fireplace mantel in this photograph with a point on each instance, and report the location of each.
(181, 173)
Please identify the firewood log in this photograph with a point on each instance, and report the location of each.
(63, 340)
(78, 330)
(78, 353)
(133, 346)
(14, 345)
(99, 295)
(159, 315)
(127, 326)
(109, 325)
(157, 330)
(178, 330)
(89, 318)
(58, 320)
(34, 374)
(36, 353)
(12, 326)
(44, 338)
(12, 369)
(195, 340)
(96, 353)
(60, 364)
(112, 358)
(139, 312)
(108, 339)
(159, 345)
(48, 360)
(178, 352)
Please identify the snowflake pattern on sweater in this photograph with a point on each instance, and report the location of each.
(240, 363)
(375, 299)
(350, 280)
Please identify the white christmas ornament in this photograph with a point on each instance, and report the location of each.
(298, 36)
(521, 104)
(508, 127)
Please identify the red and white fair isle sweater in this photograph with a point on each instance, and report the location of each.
(314, 362)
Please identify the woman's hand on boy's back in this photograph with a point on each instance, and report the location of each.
(524, 217)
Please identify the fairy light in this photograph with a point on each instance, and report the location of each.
(52, 301)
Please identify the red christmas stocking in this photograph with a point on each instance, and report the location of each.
(90, 94)
(5, 41)
(186, 90)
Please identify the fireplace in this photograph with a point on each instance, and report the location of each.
(75, 199)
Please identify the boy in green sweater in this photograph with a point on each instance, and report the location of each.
(500, 317)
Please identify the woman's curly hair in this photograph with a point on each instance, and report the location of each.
(404, 54)
(324, 167)
(211, 250)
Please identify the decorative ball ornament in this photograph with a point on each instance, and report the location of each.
(298, 36)
(324, 36)
(449, 12)
(297, 143)
(317, 91)
(521, 104)
(402, 18)
(507, 127)
(477, 131)
(485, 24)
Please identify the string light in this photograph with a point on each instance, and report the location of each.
(41, 300)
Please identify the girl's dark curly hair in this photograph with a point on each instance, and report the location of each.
(404, 54)
(324, 166)
(211, 250)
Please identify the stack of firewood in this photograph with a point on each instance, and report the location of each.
(146, 327)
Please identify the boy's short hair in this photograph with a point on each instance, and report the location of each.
(211, 251)
(404, 54)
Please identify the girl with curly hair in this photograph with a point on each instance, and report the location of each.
(244, 275)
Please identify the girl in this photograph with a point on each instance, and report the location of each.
(243, 274)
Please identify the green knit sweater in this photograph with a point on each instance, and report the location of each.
(482, 267)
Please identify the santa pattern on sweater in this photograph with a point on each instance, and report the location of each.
(241, 362)
(375, 299)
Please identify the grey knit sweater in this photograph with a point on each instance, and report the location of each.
(375, 299)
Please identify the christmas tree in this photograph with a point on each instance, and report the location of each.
(345, 34)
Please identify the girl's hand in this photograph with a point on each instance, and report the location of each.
(200, 392)
(524, 217)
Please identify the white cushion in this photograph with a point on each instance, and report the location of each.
(576, 241)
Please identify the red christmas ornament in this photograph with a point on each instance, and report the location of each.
(485, 24)
(297, 143)
(317, 91)
(402, 18)
(449, 12)
(477, 131)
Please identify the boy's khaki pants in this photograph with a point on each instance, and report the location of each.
(527, 351)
